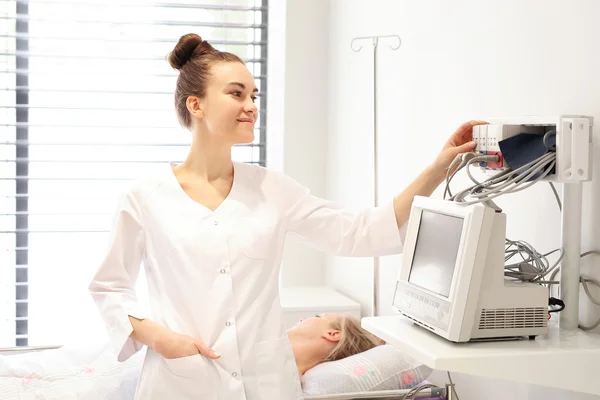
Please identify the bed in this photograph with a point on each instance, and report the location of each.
(92, 373)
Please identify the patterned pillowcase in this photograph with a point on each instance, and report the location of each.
(380, 368)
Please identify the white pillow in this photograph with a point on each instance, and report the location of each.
(380, 368)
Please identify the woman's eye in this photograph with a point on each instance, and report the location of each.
(236, 93)
(254, 99)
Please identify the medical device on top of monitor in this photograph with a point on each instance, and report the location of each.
(452, 278)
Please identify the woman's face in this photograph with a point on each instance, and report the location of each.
(314, 327)
(228, 111)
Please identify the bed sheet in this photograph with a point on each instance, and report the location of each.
(68, 374)
(91, 373)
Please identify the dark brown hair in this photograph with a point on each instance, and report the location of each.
(193, 57)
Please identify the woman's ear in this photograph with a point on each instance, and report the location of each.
(194, 106)
(333, 335)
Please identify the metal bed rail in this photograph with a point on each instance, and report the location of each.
(431, 392)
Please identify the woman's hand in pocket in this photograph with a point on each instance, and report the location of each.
(171, 345)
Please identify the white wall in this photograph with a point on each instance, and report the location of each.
(459, 60)
(297, 106)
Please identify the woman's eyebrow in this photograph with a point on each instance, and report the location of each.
(255, 90)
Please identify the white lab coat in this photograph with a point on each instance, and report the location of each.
(214, 276)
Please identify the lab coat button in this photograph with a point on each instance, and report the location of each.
(234, 374)
(223, 271)
(228, 323)
(216, 222)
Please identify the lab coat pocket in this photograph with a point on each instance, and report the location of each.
(277, 374)
(188, 367)
(256, 236)
(188, 376)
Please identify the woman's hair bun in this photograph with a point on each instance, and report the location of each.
(189, 46)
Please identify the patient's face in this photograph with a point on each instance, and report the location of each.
(313, 327)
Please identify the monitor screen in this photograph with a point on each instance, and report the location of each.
(435, 253)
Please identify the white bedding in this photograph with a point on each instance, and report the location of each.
(68, 374)
(92, 373)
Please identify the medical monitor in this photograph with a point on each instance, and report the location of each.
(452, 278)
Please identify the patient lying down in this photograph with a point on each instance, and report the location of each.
(328, 337)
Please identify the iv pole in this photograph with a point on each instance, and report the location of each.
(375, 43)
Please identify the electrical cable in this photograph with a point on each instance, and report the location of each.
(545, 139)
(533, 266)
(556, 195)
(459, 162)
(507, 181)
(534, 170)
(553, 301)
(556, 271)
(591, 327)
(584, 281)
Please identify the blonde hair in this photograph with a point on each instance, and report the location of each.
(354, 339)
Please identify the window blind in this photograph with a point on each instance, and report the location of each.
(86, 105)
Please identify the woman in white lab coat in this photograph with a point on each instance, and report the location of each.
(210, 233)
